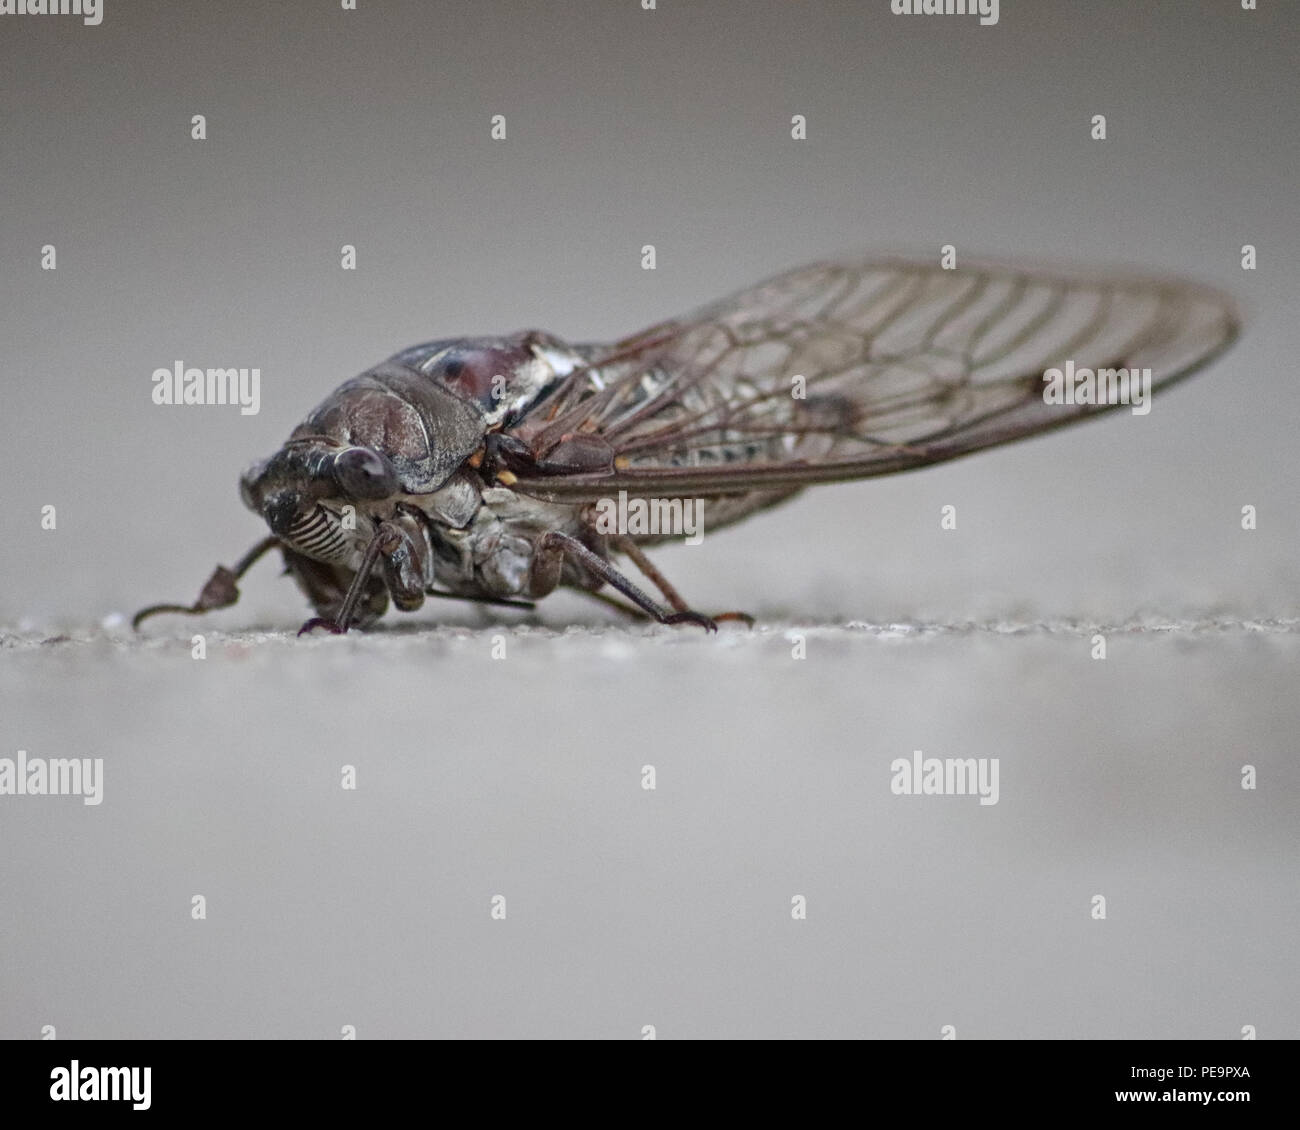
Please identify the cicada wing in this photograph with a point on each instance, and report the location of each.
(849, 370)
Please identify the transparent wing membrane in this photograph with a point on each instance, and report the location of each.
(838, 371)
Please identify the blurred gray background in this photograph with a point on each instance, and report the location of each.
(521, 776)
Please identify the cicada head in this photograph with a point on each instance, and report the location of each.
(389, 434)
(301, 492)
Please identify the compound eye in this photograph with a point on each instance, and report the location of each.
(253, 483)
(363, 473)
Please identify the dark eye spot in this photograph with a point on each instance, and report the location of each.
(363, 473)
(482, 372)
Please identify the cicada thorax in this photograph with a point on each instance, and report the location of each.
(506, 377)
(425, 430)
(510, 379)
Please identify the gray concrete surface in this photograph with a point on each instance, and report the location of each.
(522, 777)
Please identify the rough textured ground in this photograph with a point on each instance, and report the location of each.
(521, 776)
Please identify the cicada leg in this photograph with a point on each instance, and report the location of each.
(366, 596)
(220, 590)
(625, 544)
(326, 587)
(553, 547)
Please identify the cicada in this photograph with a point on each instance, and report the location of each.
(475, 468)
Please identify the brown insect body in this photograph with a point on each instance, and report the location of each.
(470, 467)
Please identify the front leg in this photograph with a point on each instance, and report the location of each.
(387, 538)
(325, 586)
